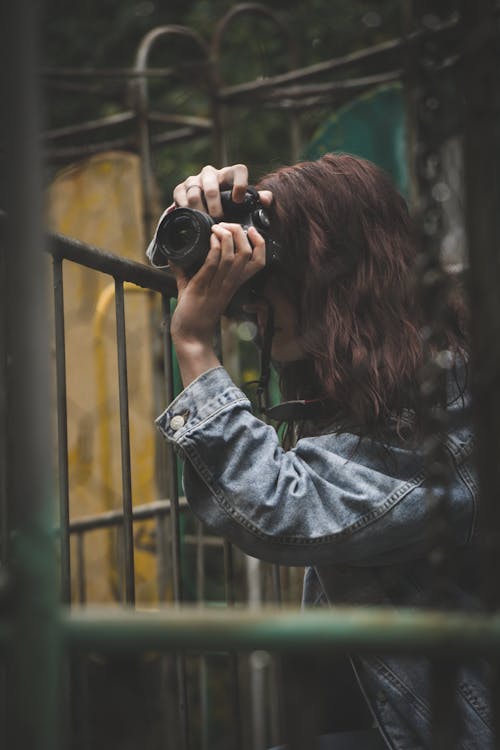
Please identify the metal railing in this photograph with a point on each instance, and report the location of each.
(41, 639)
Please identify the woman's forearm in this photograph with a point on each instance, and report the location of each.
(194, 358)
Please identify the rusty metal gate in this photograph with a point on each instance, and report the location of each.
(46, 642)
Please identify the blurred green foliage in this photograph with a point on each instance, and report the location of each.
(106, 33)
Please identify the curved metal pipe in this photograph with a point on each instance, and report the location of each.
(216, 45)
(140, 104)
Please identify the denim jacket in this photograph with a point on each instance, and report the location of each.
(354, 514)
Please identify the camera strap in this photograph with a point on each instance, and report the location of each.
(265, 361)
(296, 411)
(288, 410)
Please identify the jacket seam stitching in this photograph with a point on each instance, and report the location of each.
(474, 701)
(466, 478)
(384, 670)
(361, 523)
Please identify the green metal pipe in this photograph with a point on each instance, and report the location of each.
(343, 629)
(32, 701)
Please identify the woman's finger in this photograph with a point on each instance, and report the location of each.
(258, 244)
(211, 184)
(242, 246)
(258, 260)
(266, 197)
(239, 265)
(190, 193)
(237, 176)
(249, 247)
(194, 195)
(202, 191)
(179, 194)
(205, 275)
(228, 249)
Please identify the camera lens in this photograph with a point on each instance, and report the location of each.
(180, 235)
(184, 238)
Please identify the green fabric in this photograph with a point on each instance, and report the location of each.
(371, 126)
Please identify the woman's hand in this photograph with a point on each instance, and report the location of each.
(208, 183)
(233, 258)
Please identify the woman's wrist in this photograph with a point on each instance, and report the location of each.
(195, 357)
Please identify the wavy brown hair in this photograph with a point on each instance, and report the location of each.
(349, 251)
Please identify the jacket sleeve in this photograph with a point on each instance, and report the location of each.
(322, 503)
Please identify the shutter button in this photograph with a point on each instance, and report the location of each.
(177, 422)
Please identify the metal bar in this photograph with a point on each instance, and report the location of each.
(4, 442)
(315, 89)
(348, 629)
(115, 517)
(141, 107)
(300, 701)
(128, 531)
(34, 688)
(80, 702)
(172, 474)
(276, 581)
(203, 663)
(276, 699)
(383, 52)
(446, 718)
(162, 547)
(90, 125)
(495, 701)
(229, 573)
(296, 106)
(4, 438)
(482, 148)
(204, 712)
(200, 562)
(230, 593)
(236, 712)
(101, 260)
(62, 431)
(106, 72)
(196, 122)
(425, 60)
(81, 577)
(127, 142)
(175, 525)
(302, 94)
(481, 153)
(259, 697)
(217, 44)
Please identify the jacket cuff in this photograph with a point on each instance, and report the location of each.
(211, 392)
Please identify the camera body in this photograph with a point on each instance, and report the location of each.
(183, 235)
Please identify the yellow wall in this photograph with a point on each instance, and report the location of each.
(99, 202)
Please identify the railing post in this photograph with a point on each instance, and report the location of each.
(34, 674)
(481, 152)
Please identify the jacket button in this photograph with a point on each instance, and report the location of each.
(177, 422)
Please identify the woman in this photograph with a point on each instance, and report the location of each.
(348, 501)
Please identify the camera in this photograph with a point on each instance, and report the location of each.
(183, 235)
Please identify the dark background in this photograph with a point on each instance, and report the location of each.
(104, 34)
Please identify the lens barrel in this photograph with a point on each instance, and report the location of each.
(183, 237)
